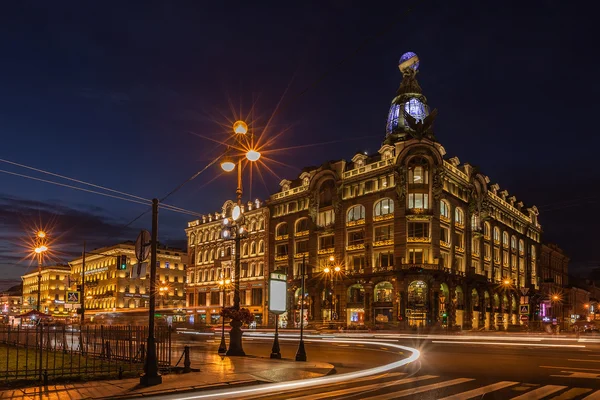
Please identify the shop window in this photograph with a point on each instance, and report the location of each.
(383, 292)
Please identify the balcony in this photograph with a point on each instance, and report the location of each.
(475, 254)
(355, 223)
(459, 225)
(300, 255)
(419, 240)
(419, 211)
(413, 266)
(329, 250)
(281, 257)
(445, 244)
(352, 247)
(301, 234)
(459, 250)
(445, 219)
(386, 217)
(282, 237)
(385, 242)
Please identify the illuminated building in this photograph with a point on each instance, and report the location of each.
(421, 239)
(116, 293)
(11, 302)
(212, 260)
(53, 290)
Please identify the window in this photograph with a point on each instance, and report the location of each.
(261, 247)
(445, 259)
(326, 194)
(505, 258)
(245, 250)
(202, 299)
(326, 218)
(369, 185)
(521, 246)
(384, 232)
(459, 216)
(243, 297)
(302, 225)
(496, 234)
(384, 207)
(418, 200)
(475, 246)
(384, 259)
(326, 242)
(281, 230)
(417, 256)
(356, 237)
(357, 262)
(513, 243)
(496, 255)
(282, 250)
(486, 230)
(301, 246)
(243, 270)
(383, 292)
(445, 235)
(257, 296)
(215, 298)
(191, 300)
(444, 210)
(418, 171)
(475, 222)
(418, 229)
(253, 248)
(459, 239)
(505, 239)
(260, 267)
(292, 207)
(356, 213)
(486, 251)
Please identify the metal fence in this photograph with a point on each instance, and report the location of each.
(45, 352)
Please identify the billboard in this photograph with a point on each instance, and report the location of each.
(277, 292)
(73, 297)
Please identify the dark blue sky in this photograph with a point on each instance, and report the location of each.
(108, 92)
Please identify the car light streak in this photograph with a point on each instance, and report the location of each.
(312, 382)
(509, 344)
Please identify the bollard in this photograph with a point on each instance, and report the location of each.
(120, 372)
(187, 362)
(45, 377)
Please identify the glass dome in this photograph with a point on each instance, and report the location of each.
(416, 108)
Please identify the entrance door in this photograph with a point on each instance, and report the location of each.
(417, 307)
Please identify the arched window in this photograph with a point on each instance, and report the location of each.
(384, 207)
(475, 222)
(261, 224)
(505, 239)
(211, 256)
(521, 246)
(205, 236)
(251, 270)
(496, 234)
(261, 247)
(205, 258)
(211, 237)
(192, 239)
(253, 248)
(252, 226)
(245, 250)
(459, 216)
(260, 268)
(445, 210)
(513, 243)
(486, 230)
(228, 251)
(326, 194)
(282, 229)
(302, 225)
(356, 213)
(383, 291)
(193, 256)
(418, 171)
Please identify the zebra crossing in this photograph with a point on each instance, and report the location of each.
(399, 385)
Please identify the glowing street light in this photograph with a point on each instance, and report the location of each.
(227, 164)
(240, 127)
(41, 234)
(252, 155)
(327, 270)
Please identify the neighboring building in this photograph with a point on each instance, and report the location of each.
(53, 287)
(421, 240)
(212, 259)
(554, 278)
(11, 301)
(115, 293)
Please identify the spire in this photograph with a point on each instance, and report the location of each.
(409, 114)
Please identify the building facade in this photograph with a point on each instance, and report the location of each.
(53, 286)
(406, 236)
(554, 279)
(11, 301)
(212, 260)
(116, 291)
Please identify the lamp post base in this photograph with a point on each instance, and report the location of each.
(151, 380)
(235, 340)
(222, 346)
(301, 354)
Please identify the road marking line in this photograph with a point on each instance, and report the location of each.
(509, 344)
(540, 393)
(569, 368)
(576, 374)
(363, 379)
(361, 389)
(583, 360)
(593, 396)
(480, 391)
(572, 393)
(420, 389)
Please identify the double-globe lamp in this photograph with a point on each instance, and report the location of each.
(239, 128)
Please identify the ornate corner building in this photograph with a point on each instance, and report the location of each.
(211, 260)
(405, 236)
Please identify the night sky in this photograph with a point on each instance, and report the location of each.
(116, 92)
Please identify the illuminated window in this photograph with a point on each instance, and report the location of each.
(261, 247)
(496, 234)
(356, 213)
(326, 242)
(302, 225)
(513, 243)
(356, 237)
(418, 201)
(384, 232)
(282, 229)
(444, 209)
(384, 207)
(459, 216)
(416, 109)
(418, 229)
(486, 230)
(302, 246)
(417, 256)
(326, 218)
(505, 238)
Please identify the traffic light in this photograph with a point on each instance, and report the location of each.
(121, 263)
(445, 318)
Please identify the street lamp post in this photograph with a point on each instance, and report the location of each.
(331, 274)
(301, 353)
(40, 249)
(234, 228)
(223, 285)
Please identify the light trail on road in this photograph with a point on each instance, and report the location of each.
(510, 344)
(312, 382)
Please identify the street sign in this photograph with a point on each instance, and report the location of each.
(277, 292)
(524, 291)
(142, 246)
(524, 318)
(524, 308)
(73, 297)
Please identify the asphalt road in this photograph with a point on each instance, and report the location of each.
(482, 368)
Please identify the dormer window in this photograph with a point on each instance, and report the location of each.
(418, 171)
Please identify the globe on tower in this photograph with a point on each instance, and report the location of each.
(408, 60)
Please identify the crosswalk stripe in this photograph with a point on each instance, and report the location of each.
(572, 393)
(540, 392)
(593, 396)
(359, 389)
(363, 379)
(420, 389)
(480, 391)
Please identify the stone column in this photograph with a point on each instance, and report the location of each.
(369, 318)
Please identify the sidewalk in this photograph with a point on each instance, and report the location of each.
(216, 372)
